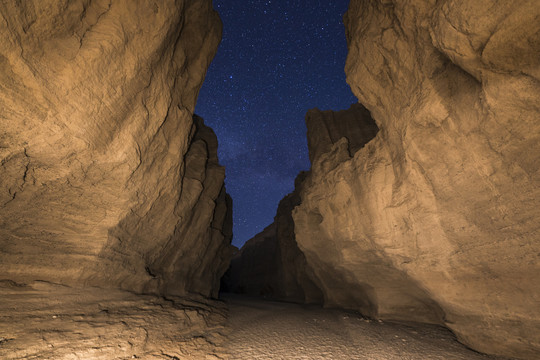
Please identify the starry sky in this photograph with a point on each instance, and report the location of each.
(277, 59)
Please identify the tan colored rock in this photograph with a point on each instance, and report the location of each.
(436, 219)
(45, 321)
(325, 128)
(105, 178)
(271, 264)
(296, 282)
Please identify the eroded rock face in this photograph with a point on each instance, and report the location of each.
(436, 219)
(271, 264)
(46, 321)
(106, 178)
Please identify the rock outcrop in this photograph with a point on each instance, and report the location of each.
(436, 219)
(106, 177)
(270, 264)
(325, 128)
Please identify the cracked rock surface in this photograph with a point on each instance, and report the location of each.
(106, 177)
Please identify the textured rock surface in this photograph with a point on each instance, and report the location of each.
(436, 219)
(270, 264)
(48, 321)
(325, 128)
(295, 281)
(105, 177)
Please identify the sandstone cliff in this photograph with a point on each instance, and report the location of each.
(325, 128)
(436, 219)
(271, 264)
(106, 178)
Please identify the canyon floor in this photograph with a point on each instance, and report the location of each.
(262, 329)
(42, 320)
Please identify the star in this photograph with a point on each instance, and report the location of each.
(277, 60)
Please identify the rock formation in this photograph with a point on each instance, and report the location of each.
(295, 276)
(325, 128)
(436, 219)
(106, 178)
(270, 264)
(45, 321)
(254, 269)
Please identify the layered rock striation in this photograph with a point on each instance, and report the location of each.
(435, 219)
(44, 321)
(106, 177)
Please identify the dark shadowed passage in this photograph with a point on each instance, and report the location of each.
(277, 59)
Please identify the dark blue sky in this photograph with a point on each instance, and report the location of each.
(277, 59)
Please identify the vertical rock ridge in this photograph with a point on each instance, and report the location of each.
(273, 263)
(442, 200)
(106, 177)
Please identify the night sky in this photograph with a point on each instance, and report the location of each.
(277, 59)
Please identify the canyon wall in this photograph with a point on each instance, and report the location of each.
(106, 177)
(436, 218)
(270, 264)
(433, 218)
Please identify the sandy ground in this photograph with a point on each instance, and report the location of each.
(274, 330)
(44, 321)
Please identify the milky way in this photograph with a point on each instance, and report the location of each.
(277, 59)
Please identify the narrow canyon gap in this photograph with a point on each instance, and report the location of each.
(421, 203)
(276, 60)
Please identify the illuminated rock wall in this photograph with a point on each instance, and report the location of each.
(436, 219)
(106, 178)
(271, 264)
